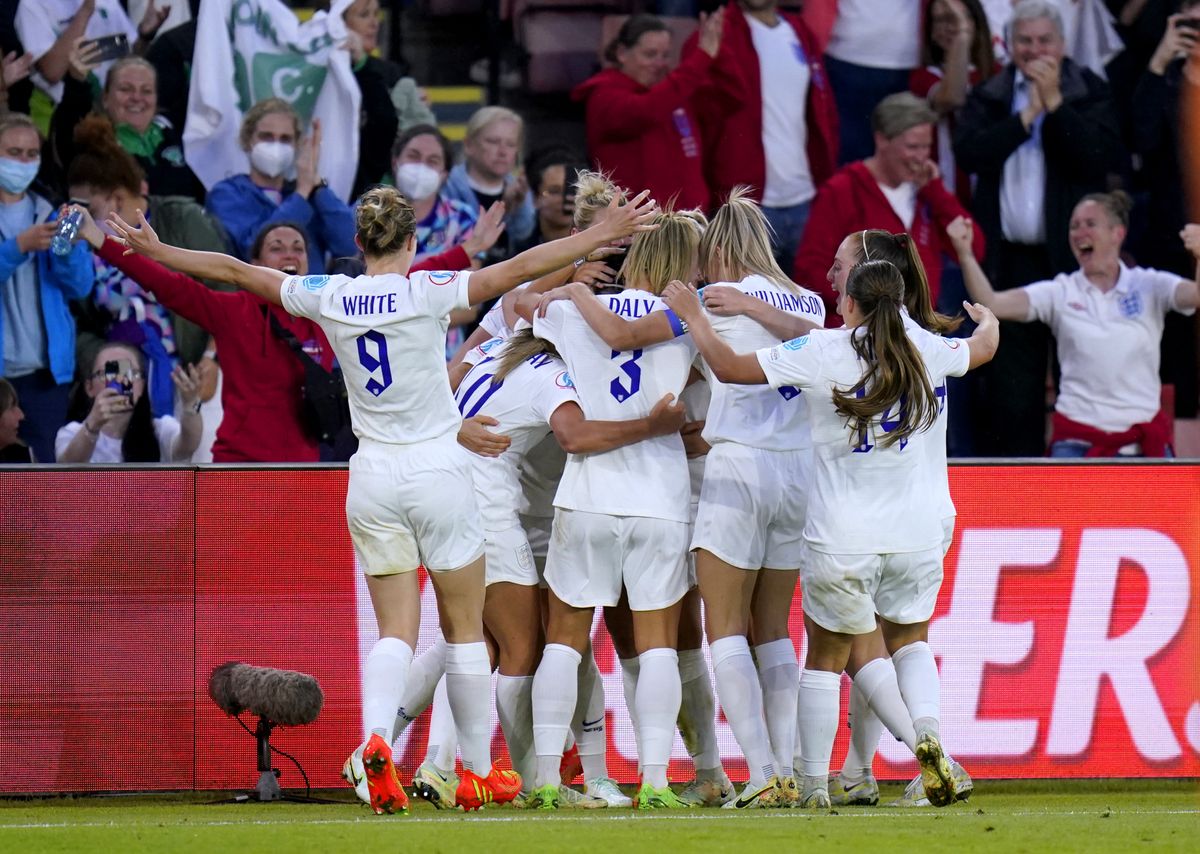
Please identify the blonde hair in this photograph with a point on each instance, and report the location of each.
(593, 193)
(9, 121)
(737, 243)
(385, 221)
(668, 253)
(261, 110)
(519, 347)
(485, 116)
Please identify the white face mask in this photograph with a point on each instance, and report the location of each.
(272, 158)
(417, 181)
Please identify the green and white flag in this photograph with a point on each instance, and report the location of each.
(249, 50)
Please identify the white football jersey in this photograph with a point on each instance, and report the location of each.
(523, 403)
(936, 446)
(648, 478)
(865, 498)
(751, 415)
(542, 467)
(494, 323)
(389, 335)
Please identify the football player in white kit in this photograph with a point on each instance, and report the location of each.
(524, 385)
(872, 527)
(875, 698)
(621, 517)
(410, 499)
(747, 541)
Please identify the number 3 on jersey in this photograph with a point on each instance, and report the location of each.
(632, 370)
(375, 361)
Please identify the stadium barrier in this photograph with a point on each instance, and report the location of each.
(1067, 630)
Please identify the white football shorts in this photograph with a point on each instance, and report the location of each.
(593, 554)
(509, 558)
(410, 505)
(843, 593)
(753, 506)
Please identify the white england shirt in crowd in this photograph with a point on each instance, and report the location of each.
(522, 402)
(388, 333)
(877, 33)
(39, 23)
(107, 449)
(1108, 343)
(865, 498)
(648, 478)
(936, 446)
(785, 76)
(494, 323)
(757, 416)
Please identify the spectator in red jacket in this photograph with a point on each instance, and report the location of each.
(263, 379)
(781, 138)
(896, 189)
(641, 122)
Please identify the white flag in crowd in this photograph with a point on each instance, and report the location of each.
(248, 50)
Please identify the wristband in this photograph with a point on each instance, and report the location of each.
(195, 408)
(209, 354)
(93, 433)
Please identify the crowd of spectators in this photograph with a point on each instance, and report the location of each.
(967, 124)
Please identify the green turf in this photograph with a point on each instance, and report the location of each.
(1093, 816)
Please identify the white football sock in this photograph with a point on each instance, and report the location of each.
(592, 736)
(779, 674)
(741, 699)
(514, 706)
(882, 692)
(917, 676)
(424, 674)
(554, 688)
(442, 746)
(658, 698)
(819, 699)
(384, 675)
(630, 668)
(469, 689)
(697, 715)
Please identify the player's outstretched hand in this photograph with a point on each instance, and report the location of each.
(475, 437)
(667, 416)
(635, 216)
(1191, 238)
(726, 301)
(140, 238)
(981, 314)
(683, 300)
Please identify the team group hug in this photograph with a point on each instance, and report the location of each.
(651, 416)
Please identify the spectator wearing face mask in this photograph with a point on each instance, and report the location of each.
(271, 136)
(421, 159)
(37, 332)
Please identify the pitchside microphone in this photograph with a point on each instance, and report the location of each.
(281, 696)
(278, 698)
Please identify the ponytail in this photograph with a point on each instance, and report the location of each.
(896, 379)
(901, 251)
(518, 348)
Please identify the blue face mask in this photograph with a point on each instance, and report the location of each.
(16, 176)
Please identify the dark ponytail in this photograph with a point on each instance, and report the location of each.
(901, 251)
(896, 378)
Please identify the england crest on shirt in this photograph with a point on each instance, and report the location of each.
(1131, 306)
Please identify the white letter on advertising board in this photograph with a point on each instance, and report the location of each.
(967, 639)
(1089, 653)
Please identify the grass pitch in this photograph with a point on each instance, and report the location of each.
(1096, 816)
